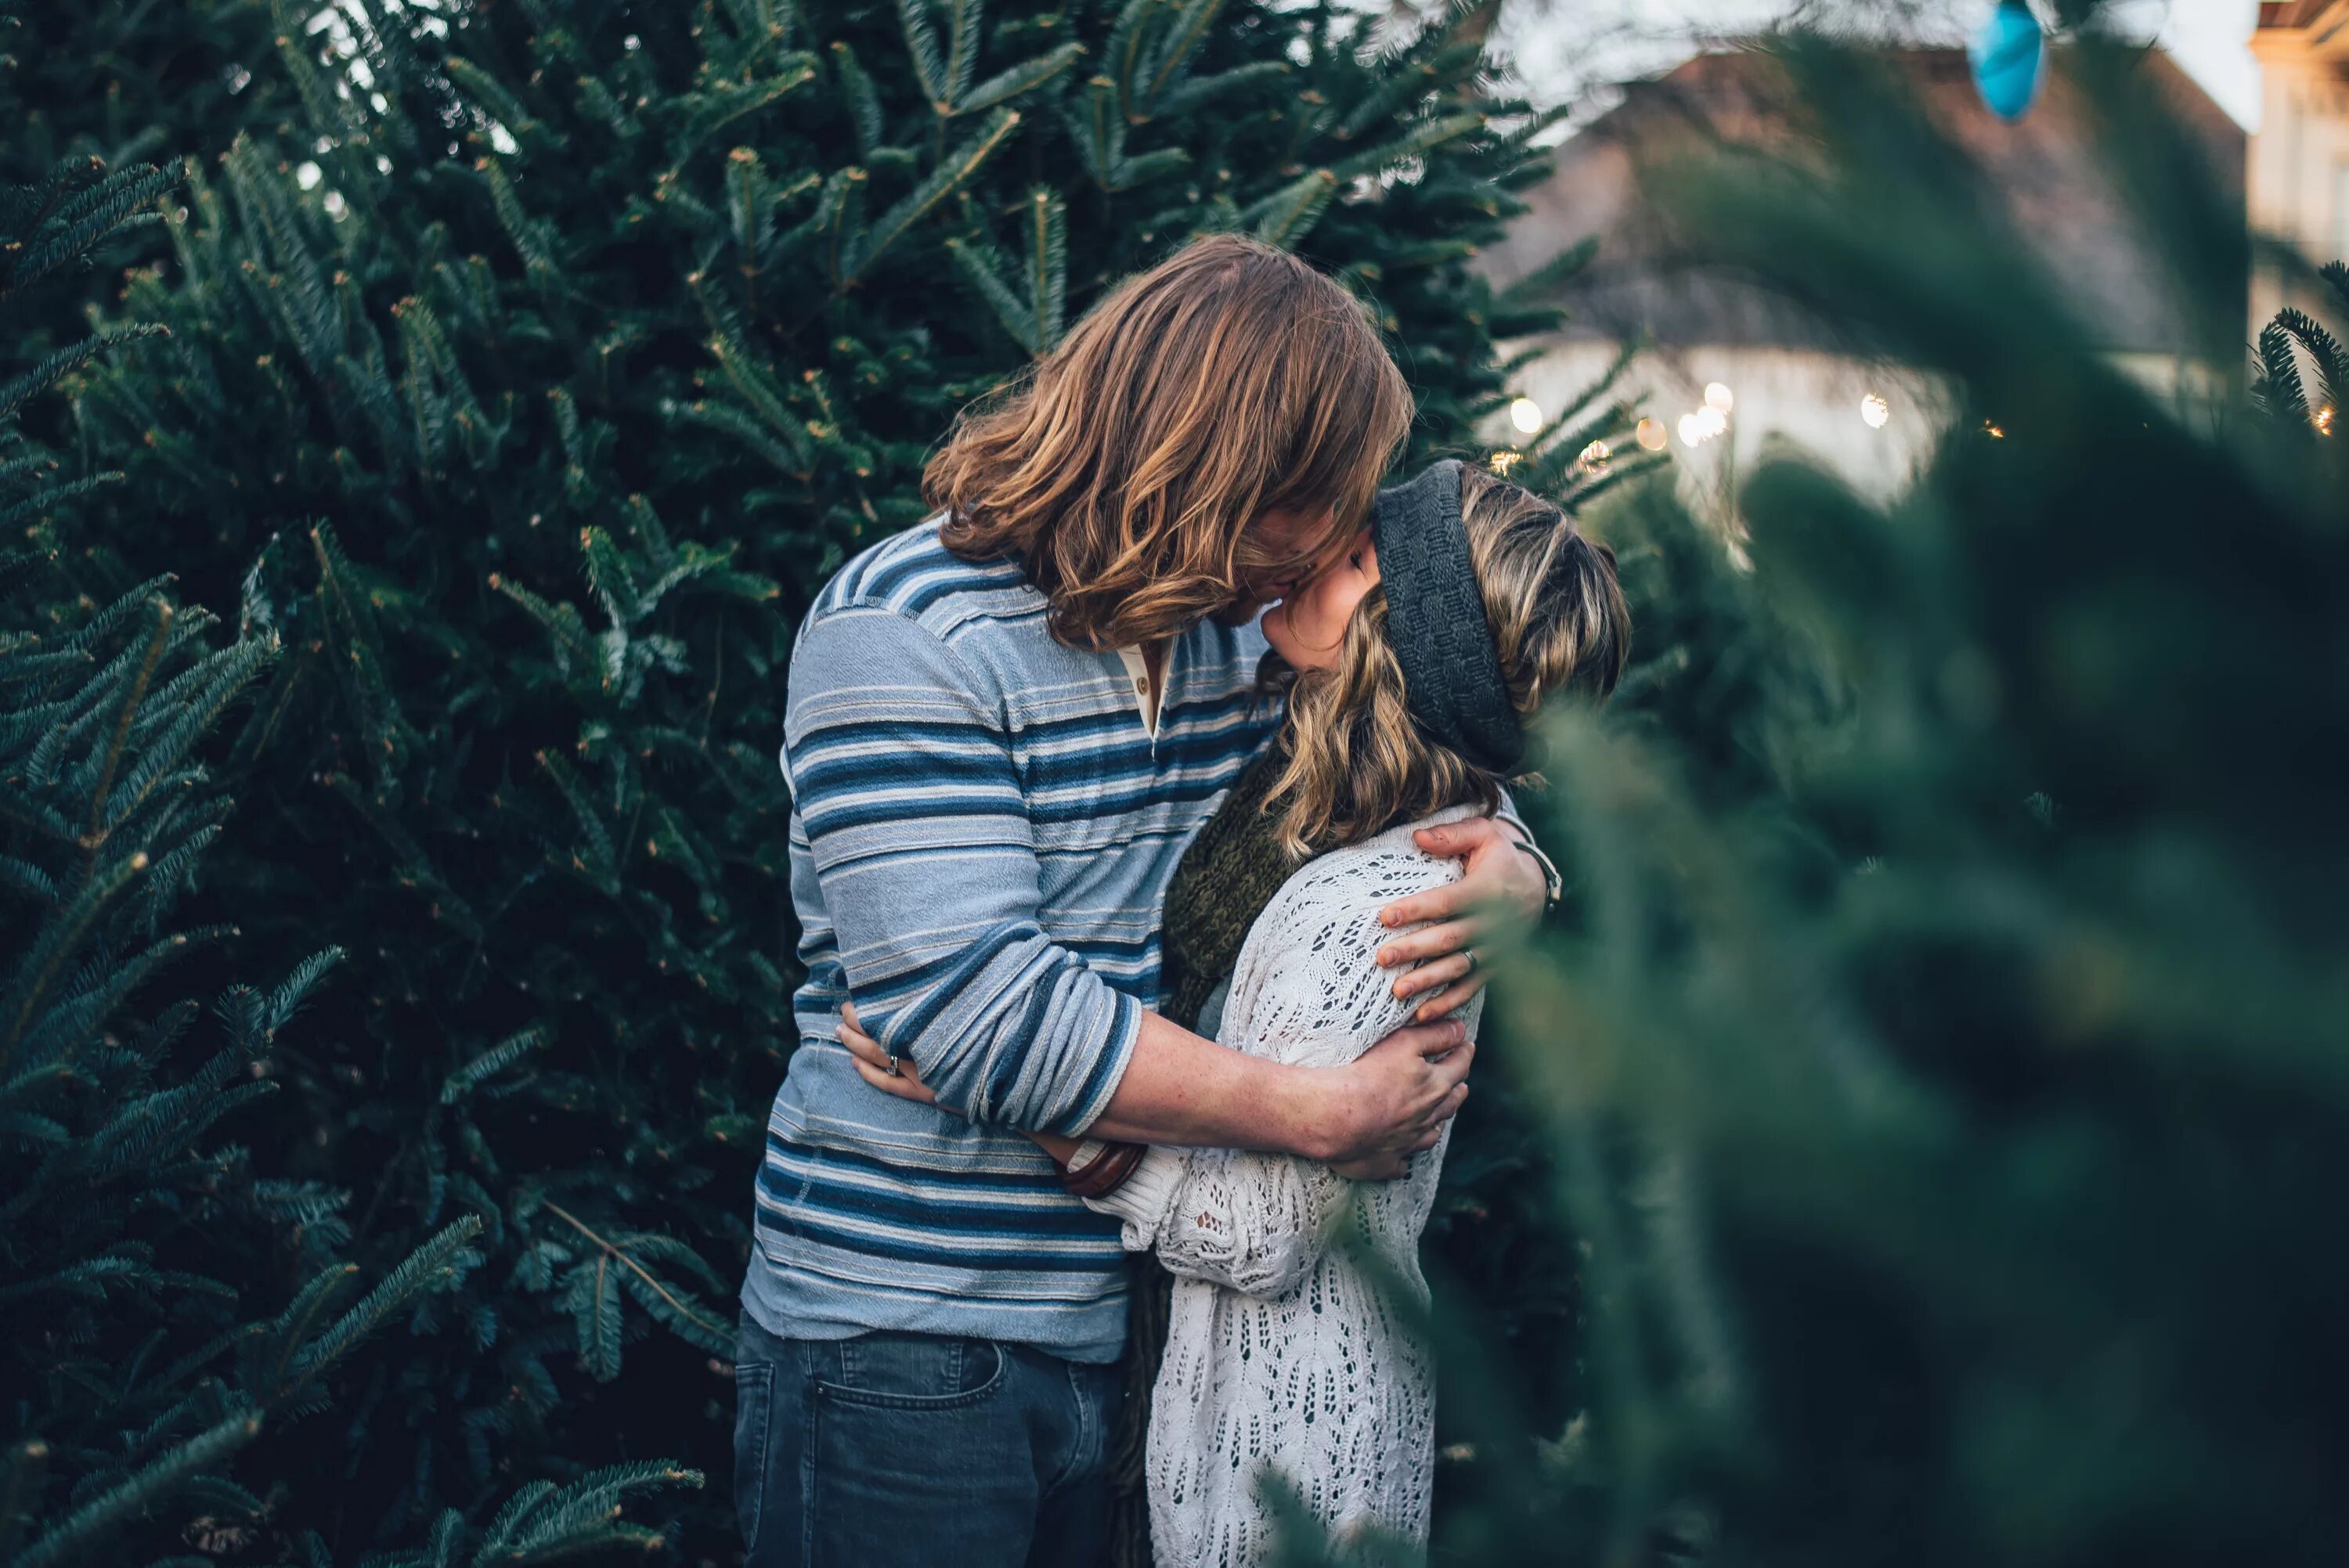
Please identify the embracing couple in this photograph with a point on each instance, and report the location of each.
(1132, 925)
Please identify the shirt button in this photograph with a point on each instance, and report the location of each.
(1142, 683)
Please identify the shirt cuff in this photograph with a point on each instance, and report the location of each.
(1117, 1052)
(1144, 1199)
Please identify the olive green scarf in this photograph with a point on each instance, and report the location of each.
(1228, 876)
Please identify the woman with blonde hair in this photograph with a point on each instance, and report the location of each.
(1410, 668)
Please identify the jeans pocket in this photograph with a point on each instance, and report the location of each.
(754, 1397)
(920, 1454)
(915, 1372)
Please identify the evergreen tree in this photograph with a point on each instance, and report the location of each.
(140, 1256)
(127, 83)
(1950, 1107)
(526, 389)
(124, 83)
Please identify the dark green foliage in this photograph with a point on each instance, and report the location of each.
(126, 1229)
(48, 226)
(1953, 1102)
(115, 85)
(528, 420)
(140, 1259)
(129, 83)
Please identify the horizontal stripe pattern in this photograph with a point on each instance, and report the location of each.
(981, 836)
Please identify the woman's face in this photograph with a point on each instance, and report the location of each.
(1307, 627)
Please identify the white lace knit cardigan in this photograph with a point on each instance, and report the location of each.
(1281, 1352)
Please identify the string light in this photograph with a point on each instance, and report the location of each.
(1595, 455)
(1502, 461)
(1526, 415)
(1703, 426)
(1652, 435)
(1995, 432)
(2324, 420)
(1717, 396)
(1874, 411)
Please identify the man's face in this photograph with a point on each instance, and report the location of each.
(1284, 548)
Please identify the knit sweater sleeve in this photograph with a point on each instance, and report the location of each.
(1307, 992)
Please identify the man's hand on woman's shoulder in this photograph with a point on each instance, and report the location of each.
(1502, 886)
(1392, 1100)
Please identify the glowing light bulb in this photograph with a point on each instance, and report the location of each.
(2324, 420)
(1717, 396)
(1502, 461)
(1595, 455)
(1652, 435)
(1691, 431)
(1712, 421)
(1526, 415)
(1874, 411)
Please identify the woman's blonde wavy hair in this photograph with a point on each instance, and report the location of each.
(1124, 471)
(1353, 762)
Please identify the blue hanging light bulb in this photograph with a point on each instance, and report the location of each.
(2010, 58)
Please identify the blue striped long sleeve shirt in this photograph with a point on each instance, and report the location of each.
(982, 832)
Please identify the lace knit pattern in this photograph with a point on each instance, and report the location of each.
(1282, 1354)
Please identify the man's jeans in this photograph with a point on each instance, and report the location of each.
(909, 1449)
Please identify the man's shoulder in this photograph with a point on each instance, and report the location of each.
(915, 576)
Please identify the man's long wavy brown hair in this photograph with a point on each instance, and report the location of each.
(1123, 471)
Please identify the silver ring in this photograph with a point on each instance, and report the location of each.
(1470, 954)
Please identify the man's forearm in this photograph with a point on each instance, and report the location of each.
(1179, 1089)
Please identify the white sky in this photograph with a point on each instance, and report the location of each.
(1565, 45)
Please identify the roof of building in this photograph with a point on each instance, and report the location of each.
(2294, 13)
(2043, 170)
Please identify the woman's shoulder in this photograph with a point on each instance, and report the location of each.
(1383, 868)
(1317, 934)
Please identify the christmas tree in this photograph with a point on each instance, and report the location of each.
(146, 1262)
(525, 385)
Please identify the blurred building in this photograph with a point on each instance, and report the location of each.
(1774, 367)
(2298, 180)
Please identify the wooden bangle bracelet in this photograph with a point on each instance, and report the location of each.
(1099, 1176)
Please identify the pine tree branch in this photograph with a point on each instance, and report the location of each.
(630, 1264)
(1025, 78)
(1171, 57)
(922, 51)
(946, 179)
(17, 390)
(82, 1531)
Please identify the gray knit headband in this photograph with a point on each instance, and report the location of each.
(1452, 675)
